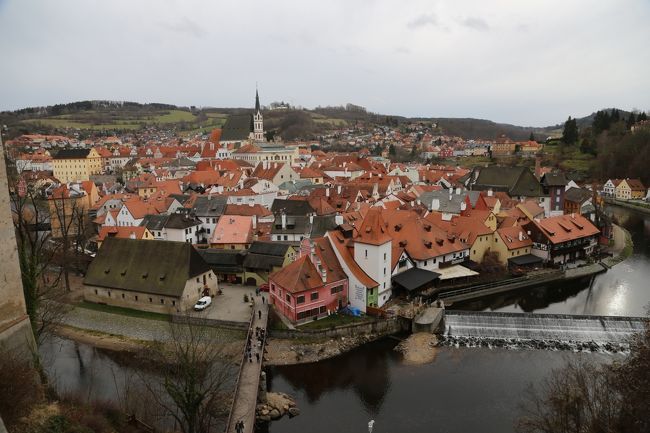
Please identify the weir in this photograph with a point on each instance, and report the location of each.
(601, 330)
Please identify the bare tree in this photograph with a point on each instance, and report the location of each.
(194, 389)
(36, 253)
(69, 227)
(588, 398)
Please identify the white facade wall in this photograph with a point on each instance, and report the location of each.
(356, 290)
(375, 260)
(125, 219)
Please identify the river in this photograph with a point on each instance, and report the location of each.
(463, 390)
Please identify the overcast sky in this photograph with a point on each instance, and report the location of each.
(521, 62)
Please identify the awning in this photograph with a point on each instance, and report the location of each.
(415, 278)
(455, 271)
(527, 259)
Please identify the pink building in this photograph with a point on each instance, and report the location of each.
(312, 286)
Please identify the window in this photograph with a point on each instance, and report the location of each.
(384, 271)
(109, 294)
(122, 295)
(314, 296)
(136, 297)
(288, 298)
(162, 301)
(300, 299)
(474, 252)
(150, 299)
(197, 279)
(366, 254)
(96, 292)
(174, 303)
(425, 263)
(336, 289)
(384, 256)
(286, 238)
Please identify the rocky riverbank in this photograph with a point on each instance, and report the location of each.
(289, 352)
(509, 343)
(275, 406)
(418, 348)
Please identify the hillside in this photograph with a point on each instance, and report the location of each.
(109, 117)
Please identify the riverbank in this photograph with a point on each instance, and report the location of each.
(641, 207)
(282, 351)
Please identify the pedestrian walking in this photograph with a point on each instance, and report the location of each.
(257, 355)
(263, 300)
(259, 314)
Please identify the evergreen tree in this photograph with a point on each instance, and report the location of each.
(642, 117)
(570, 132)
(391, 150)
(630, 121)
(616, 115)
(532, 136)
(602, 122)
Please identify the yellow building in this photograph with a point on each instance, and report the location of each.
(630, 189)
(510, 242)
(70, 165)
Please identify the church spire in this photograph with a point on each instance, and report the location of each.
(257, 101)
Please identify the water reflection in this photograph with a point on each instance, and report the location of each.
(366, 374)
(463, 390)
(621, 291)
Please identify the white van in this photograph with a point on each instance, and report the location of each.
(203, 303)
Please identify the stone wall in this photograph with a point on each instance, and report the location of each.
(13, 317)
(376, 328)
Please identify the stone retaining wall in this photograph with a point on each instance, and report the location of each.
(376, 327)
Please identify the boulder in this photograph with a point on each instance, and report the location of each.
(294, 411)
(274, 414)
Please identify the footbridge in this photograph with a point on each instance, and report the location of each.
(598, 330)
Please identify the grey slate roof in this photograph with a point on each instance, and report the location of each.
(262, 261)
(301, 225)
(516, 181)
(292, 207)
(156, 267)
(72, 154)
(577, 195)
(238, 127)
(444, 204)
(269, 248)
(554, 179)
(224, 261)
(154, 222)
(181, 221)
(209, 207)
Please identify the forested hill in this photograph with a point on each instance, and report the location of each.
(110, 117)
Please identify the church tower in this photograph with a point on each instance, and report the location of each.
(258, 120)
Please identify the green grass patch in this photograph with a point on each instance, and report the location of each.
(124, 311)
(333, 321)
(175, 116)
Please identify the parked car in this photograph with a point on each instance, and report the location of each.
(203, 303)
(264, 287)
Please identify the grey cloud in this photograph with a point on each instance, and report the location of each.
(423, 21)
(402, 50)
(475, 23)
(186, 26)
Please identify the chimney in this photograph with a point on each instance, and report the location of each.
(490, 192)
(284, 221)
(451, 192)
(338, 219)
(311, 219)
(323, 274)
(521, 235)
(435, 204)
(463, 205)
(327, 192)
(251, 204)
(458, 191)
(254, 222)
(132, 235)
(338, 189)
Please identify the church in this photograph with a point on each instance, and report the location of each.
(244, 135)
(241, 129)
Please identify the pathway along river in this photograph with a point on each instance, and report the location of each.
(462, 390)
